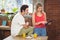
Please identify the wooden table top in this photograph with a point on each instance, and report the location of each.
(38, 38)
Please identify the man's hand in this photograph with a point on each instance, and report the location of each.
(26, 25)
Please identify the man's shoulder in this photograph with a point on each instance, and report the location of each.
(17, 15)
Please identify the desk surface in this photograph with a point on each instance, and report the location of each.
(21, 38)
(38, 38)
(4, 28)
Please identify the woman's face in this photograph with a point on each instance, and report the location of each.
(39, 9)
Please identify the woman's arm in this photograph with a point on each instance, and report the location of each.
(45, 21)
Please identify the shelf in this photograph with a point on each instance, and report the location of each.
(4, 28)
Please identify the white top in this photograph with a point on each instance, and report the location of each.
(17, 24)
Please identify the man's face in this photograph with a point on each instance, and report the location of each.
(26, 11)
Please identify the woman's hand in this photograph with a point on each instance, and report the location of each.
(37, 23)
(44, 22)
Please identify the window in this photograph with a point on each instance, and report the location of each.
(8, 5)
(28, 2)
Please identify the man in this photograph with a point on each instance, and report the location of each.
(18, 21)
(18, 26)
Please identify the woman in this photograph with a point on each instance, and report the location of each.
(39, 21)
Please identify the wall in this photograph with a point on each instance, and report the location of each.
(52, 9)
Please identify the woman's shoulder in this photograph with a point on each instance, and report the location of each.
(43, 12)
(34, 13)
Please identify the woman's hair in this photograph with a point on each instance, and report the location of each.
(38, 5)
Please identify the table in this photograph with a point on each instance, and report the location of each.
(38, 38)
(3, 30)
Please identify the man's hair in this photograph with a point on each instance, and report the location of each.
(23, 7)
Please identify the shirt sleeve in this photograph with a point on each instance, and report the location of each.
(21, 21)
